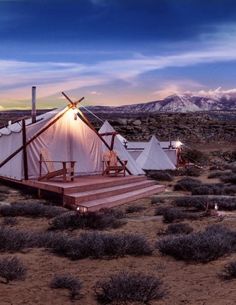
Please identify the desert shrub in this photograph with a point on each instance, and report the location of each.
(125, 287)
(160, 175)
(161, 210)
(99, 245)
(196, 202)
(134, 209)
(178, 228)
(13, 240)
(229, 271)
(89, 220)
(94, 245)
(187, 184)
(226, 204)
(114, 212)
(213, 189)
(174, 214)
(195, 156)
(156, 199)
(201, 202)
(31, 210)
(218, 174)
(206, 246)
(11, 268)
(229, 178)
(207, 189)
(67, 281)
(193, 171)
(230, 190)
(9, 221)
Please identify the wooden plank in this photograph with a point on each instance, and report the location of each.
(74, 104)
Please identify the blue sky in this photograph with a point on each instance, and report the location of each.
(114, 52)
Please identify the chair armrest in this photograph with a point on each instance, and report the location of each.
(57, 161)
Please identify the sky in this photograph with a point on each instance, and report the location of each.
(114, 52)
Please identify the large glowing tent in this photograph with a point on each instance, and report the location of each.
(122, 153)
(153, 157)
(65, 137)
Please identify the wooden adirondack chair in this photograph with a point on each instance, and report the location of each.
(112, 167)
(66, 169)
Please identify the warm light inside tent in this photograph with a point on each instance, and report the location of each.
(178, 144)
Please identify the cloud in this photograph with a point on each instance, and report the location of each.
(95, 93)
(51, 77)
(170, 87)
(218, 92)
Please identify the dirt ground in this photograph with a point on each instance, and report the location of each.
(193, 284)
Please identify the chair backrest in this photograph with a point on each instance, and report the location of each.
(111, 156)
(45, 156)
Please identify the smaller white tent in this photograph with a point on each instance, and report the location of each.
(153, 157)
(122, 153)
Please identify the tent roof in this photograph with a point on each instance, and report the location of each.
(143, 145)
(123, 154)
(153, 157)
(131, 145)
(17, 127)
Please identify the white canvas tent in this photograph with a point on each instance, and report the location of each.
(67, 139)
(153, 157)
(136, 148)
(122, 153)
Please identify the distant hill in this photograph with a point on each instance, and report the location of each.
(177, 103)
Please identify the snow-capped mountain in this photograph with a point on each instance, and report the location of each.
(179, 103)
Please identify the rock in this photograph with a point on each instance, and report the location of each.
(122, 121)
(137, 123)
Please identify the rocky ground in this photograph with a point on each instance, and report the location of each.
(194, 128)
(191, 128)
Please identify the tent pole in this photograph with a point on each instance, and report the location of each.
(25, 158)
(34, 137)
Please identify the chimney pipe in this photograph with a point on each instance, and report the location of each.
(33, 111)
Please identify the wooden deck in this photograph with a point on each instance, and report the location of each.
(95, 192)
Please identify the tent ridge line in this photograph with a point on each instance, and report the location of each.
(34, 137)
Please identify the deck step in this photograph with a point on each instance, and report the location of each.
(104, 184)
(80, 197)
(109, 202)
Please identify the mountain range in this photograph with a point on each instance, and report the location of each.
(177, 103)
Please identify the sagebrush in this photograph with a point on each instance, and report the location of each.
(67, 281)
(12, 269)
(125, 287)
(203, 247)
